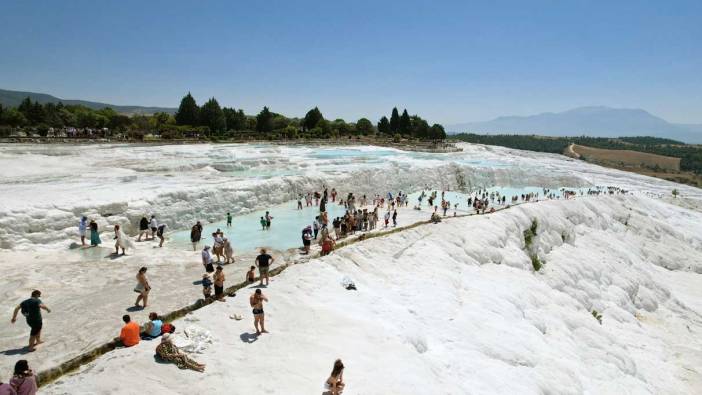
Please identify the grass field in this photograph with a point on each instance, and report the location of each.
(626, 158)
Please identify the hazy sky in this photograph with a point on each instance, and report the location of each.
(448, 61)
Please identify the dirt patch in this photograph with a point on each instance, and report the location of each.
(626, 158)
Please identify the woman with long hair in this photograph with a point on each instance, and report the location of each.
(142, 288)
(336, 379)
(121, 241)
(23, 380)
(94, 235)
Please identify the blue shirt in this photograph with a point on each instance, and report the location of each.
(155, 328)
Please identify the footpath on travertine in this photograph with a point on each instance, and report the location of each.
(99, 318)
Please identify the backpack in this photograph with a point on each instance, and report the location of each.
(167, 328)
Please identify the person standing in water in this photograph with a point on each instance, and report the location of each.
(142, 288)
(269, 218)
(207, 259)
(229, 220)
(256, 300)
(31, 309)
(161, 230)
(121, 241)
(154, 227)
(94, 234)
(228, 251)
(196, 234)
(394, 218)
(264, 261)
(82, 228)
(143, 228)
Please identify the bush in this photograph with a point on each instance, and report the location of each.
(536, 263)
(597, 316)
(530, 233)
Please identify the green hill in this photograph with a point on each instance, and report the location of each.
(13, 98)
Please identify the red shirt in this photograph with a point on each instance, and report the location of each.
(130, 334)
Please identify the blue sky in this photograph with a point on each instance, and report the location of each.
(450, 61)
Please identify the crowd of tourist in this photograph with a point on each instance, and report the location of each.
(361, 214)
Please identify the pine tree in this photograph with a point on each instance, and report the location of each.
(384, 126)
(188, 111)
(211, 115)
(264, 121)
(395, 121)
(312, 117)
(405, 123)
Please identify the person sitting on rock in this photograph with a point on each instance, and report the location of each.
(169, 352)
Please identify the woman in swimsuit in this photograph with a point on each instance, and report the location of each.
(336, 379)
(256, 301)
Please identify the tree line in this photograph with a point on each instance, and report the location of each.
(215, 122)
(220, 121)
(690, 155)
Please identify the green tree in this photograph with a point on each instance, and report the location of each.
(394, 121)
(437, 132)
(251, 123)
(280, 122)
(25, 107)
(211, 115)
(290, 132)
(384, 126)
(264, 121)
(312, 117)
(364, 126)
(188, 111)
(405, 123)
(68, 117)
(420, 128)
(119, 122)
(340, 127)
(324, 129)
(236, 120)
(13, 117)
(51, 115)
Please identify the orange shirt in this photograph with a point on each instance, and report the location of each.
(130, 334)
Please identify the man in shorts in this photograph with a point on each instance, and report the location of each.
(31, 309)
(263, 262)
(256, 301)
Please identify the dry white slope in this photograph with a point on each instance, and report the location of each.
(456, 308)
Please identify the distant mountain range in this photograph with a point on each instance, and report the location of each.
(14, 98)
(589, 121)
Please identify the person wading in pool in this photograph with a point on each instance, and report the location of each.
(256, 300)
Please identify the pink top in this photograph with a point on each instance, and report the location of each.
(6, 389)
(24, 385)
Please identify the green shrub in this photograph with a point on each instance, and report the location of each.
(536, 263)
(530, 233)
(597, 316)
